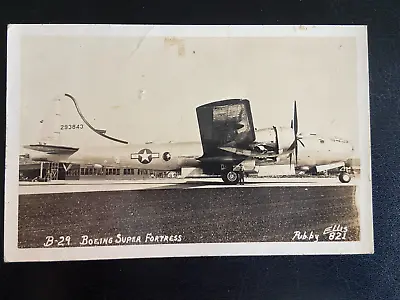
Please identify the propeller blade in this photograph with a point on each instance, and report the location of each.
(295, 130)
(295, 121)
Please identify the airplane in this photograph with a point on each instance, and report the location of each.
(228, 139)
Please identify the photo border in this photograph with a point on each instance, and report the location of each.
(364, 190)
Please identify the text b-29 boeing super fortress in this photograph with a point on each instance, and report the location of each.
(228, 138)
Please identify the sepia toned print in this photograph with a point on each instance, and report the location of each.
(162, 141)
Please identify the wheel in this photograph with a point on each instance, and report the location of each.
(230, 177)
(344, 177)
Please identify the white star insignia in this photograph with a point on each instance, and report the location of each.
(145, 156)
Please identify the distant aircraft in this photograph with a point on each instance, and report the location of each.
(228, 138)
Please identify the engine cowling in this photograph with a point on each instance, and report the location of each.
(275, 139)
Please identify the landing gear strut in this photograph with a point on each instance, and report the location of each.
(230, 177)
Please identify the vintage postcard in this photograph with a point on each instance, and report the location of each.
(170, 141)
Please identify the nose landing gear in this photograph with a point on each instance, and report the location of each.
(344, 175)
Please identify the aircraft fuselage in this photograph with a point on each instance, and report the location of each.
(174, 156)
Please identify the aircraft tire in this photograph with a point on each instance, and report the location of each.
(344, 177)
(230, 177)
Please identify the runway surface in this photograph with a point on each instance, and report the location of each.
(92, 185)
(191, 211)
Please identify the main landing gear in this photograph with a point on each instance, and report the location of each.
(230, 177)
(344, 175)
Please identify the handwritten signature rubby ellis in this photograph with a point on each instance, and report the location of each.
(335, 232)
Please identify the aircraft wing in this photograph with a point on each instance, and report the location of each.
(225, 124)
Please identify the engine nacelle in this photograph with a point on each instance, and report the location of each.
(277, 139)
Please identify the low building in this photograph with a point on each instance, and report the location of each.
(53, 171)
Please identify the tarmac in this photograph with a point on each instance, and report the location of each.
(92, 185)
(192, 210)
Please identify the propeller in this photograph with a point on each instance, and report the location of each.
(295, 126)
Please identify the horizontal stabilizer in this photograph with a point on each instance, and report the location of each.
(52, 149)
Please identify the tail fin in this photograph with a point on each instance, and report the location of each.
(100, 132)
(67, 126)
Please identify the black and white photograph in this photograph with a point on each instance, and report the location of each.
(134, 141)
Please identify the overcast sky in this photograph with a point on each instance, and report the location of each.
(147, 89)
